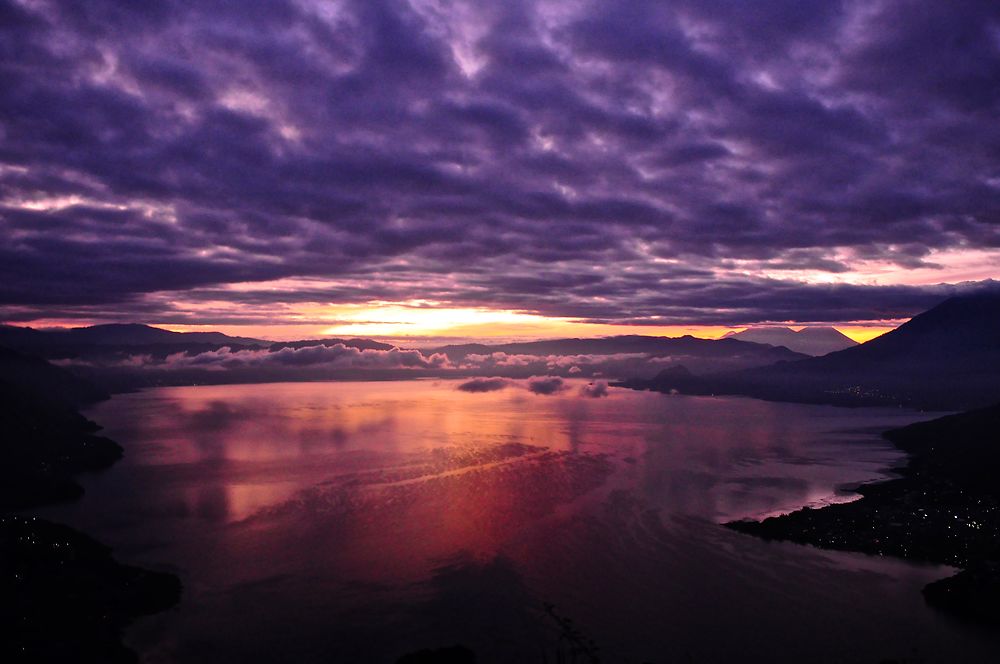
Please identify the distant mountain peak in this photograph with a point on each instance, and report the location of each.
(815, 340)
(945, 358)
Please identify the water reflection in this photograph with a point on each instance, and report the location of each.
(355, 522)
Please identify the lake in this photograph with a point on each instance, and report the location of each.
(356, 522)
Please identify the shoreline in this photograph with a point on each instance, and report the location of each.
(943, 508)
(66, 597)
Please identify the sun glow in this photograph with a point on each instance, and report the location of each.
(276, 311)
(386, 320)
(421, 324)
(421, 321)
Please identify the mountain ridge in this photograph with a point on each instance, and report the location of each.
(947, 357)
(111, 334)
(629, 343)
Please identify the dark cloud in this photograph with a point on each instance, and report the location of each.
(623, 162)
(546, 385)
(484, 385)
(595, 390)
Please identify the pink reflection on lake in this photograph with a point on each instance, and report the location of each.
(361, 518)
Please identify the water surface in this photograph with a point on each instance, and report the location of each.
(328, 522)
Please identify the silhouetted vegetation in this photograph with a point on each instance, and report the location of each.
(572, 646)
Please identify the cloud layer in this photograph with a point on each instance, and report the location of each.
(704, 161)
(337, 356)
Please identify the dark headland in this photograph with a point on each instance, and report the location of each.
(944, 508)
(65, 598)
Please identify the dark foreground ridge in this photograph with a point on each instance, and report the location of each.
(945, 508)
(65, 598)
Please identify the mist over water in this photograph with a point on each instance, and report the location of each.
(327, 522)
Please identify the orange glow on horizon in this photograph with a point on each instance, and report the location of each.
(499, 332)
(413, 323)
(425, 327)
(430, 327)
(861, 334)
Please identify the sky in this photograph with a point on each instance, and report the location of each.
(432, 168)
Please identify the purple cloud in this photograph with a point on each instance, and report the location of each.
(484, 385)
(623, 162)
(595, 390)
(546, 385)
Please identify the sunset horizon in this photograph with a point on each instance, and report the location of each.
(512, 329)
(520, 332)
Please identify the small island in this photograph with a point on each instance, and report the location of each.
(943, 508)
